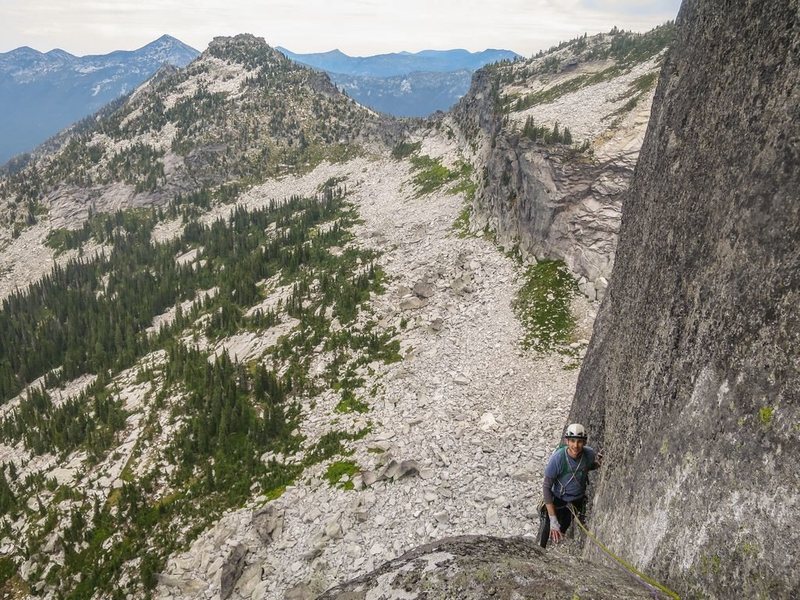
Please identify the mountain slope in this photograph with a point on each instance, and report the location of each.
(259, 365)
(412, 95)
(42, 93)
(253, 353)
(241, 112)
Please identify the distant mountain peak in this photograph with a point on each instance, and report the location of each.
(21, 51)
(50, 91)
(403, 83)
(172, 49)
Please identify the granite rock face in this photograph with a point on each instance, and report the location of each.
(691, 381)
(479, 567)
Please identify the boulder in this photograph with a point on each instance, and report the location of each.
(423, 289)
(487, 422)
(232, 567)
(268, 523)
(299, 592)
(412, 303)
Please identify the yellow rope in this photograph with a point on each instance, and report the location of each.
(622, 561)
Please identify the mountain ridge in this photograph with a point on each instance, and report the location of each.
(400, 63)
(404, 84)
(42, 93)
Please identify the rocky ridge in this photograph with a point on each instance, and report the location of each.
(546, 197)
(479, 567)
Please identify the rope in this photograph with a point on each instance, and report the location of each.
(621, 561)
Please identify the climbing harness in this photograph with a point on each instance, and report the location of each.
(573, 472)
(621, 561)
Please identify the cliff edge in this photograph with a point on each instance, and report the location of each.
(691, 379)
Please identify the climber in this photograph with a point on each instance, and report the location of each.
(565, 478)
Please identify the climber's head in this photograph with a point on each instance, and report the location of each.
(575, 438)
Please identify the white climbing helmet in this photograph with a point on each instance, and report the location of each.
(576, 431)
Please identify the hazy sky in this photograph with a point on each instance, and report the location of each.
(357, 27)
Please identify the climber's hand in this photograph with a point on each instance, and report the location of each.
(555, 530)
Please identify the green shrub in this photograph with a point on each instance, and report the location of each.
(432, 174)
(339, 468)
(349, 403)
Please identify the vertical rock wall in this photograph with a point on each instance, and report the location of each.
(692, 380)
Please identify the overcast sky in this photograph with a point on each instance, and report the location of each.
(357, 27)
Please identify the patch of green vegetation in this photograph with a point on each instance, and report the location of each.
(340, 468)
(637, 89)
(331, 183)
(466, 185)
(765, 415)
(431, 174)
(461, 224)
(330, 444)
(102, 227)
(138, 164)
(64, 492)
(710, 564)
(349, 403)
(304, 160)
(275, 493)
(405, 149)
(748, 549)
(629, 48)
(8, 569)
(644, 82)
(543, 307)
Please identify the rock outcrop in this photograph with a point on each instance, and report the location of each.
(479, 567)
(561, 199)
(691, 381)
